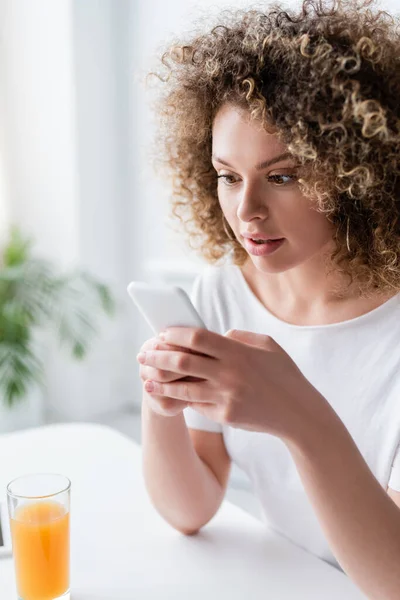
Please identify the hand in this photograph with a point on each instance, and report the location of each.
(162, 405)
(244, 379)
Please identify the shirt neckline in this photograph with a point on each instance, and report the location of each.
(381, 309)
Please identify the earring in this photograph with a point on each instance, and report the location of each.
(347, 234)
(228, 234)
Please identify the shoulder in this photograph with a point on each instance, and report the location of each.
(214, 281)
(212, 294)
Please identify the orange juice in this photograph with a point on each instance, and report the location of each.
(40, 536)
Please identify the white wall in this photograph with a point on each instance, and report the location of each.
(104, 106)
(67, 145)
(38, 123)
(4, 207)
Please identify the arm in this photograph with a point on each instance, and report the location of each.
(185, 476)
(361, 522)
(256, 385)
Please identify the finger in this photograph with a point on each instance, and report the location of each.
(167, 376)
(180, 362)
(188, 391)
(199, 340)
(156, 344)
(166, 406)
(164, 346)
(149, 344)
(253, 339)
(156, 374)
(160, 345)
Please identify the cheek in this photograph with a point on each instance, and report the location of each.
(315, 226)
(293, 216)
(228, 207)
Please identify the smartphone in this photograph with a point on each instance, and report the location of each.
(5, 536)
(164, 306)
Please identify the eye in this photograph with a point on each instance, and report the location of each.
(228, 180)
(281, 180)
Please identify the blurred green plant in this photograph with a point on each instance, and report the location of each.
(34, 296)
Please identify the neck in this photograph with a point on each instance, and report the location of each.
(305, 287)
(309, 294)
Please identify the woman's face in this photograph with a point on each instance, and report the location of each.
(264, 200)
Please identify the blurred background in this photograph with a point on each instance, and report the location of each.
(76, 136)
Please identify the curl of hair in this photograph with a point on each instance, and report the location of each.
(327, 78)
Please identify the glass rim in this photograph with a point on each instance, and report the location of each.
(38, 497)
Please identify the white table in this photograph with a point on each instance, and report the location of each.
(123, 550)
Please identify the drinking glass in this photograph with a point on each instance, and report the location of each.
(39, 510)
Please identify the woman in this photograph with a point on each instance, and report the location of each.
(282, 132)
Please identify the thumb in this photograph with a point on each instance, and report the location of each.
(253, 339)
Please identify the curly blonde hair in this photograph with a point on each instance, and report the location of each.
(327, 79)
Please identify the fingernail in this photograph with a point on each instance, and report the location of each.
(161, 335)
(141, 357)
(149, 386)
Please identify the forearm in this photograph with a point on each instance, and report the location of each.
(183, 489)
(359, 519)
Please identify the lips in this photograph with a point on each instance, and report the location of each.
(259, 240)
(262, 248)
(262, 237)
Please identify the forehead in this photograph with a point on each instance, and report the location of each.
(233, 130)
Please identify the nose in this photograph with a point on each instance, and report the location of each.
(252, 205)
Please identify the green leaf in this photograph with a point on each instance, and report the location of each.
(34, 295)
(18, 249)
(101, 291)
(19, 369)
(79, 350)
(106, 299)
(14, 390)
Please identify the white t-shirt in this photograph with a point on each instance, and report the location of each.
(355, 364)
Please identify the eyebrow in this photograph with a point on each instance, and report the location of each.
(262, 165)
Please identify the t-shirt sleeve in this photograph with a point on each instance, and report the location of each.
(195, 420)
(394, 481)
(199, 298)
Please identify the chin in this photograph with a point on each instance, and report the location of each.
(266, 264)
